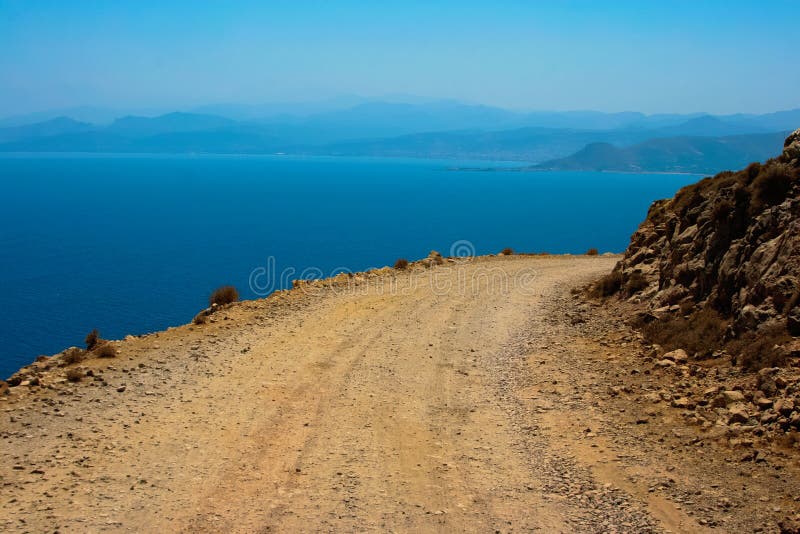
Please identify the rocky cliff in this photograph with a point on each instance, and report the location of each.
(724, 251)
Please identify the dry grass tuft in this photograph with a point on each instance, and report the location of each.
(106, 350)
(92, 339)
(507, 251)
(74, 374)
(757, 350)
(592, 252)
(223, 295)
(701, 333)
(401, 264)
(73, 355)
(607, 285)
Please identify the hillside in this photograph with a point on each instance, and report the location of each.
(671, 154)
(712, 281)
(730, 243)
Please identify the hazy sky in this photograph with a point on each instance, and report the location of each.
(718, 56)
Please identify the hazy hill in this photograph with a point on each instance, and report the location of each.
(57, 126)
(674, 154)
(521, 144)
(169, 123)
(428, 129)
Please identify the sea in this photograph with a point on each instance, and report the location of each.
(130, 244)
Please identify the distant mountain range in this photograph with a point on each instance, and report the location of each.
(425, 129)
(673, 154)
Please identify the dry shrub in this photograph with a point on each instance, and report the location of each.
(701, 333)
(401, 264)
(200, 318)
(687, 306)
(770, 187)
(73, 355)
(75, 374)
(636, 282)
(592, 252)
(106, 350)
(508, 251)
(793, 301)
(223, 295)
(607, 285)
(756, 350)
(92, 339)
(722, 210)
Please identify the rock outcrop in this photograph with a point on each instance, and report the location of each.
(730, 243)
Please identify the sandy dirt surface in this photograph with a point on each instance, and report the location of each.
(467, 397)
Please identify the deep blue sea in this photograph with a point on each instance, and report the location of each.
(132, 244)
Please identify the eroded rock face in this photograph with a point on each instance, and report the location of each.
(731, 242)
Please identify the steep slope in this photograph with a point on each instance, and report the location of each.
(727, 245)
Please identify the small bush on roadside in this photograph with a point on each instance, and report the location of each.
(75, 374)
(607, 285)
(701, 333)
(73, 355)
(401, 264)
(592, 252)
(223, 295)
(507, 251)
(756, 350)
(106, 350)
(92, 339)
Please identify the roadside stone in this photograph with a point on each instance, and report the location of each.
(737, 413)
(764, 403)
(677, 356)
(768, 417)
(784, 406)
(684, 403)
(726, 398)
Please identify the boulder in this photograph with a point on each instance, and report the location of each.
(737, 413)
(684, 403)
(784, 406)
(732, 396)
(764, 404)
(677, 356)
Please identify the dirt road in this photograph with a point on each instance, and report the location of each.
(474, 400)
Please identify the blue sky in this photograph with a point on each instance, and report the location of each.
(651, 56)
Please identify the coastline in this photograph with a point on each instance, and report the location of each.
(44, 363)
